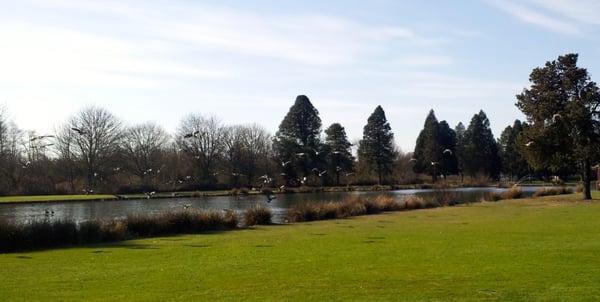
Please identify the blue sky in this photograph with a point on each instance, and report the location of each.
(245, 61)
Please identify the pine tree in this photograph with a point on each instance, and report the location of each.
(427, 150)
(339, 154)
(481, 150)
(376, 149)
(447, 139)
(297, 142)
(460, 130)
(513, 162)
(562, 110)
(435, 150)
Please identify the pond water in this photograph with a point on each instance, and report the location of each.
(92, 210)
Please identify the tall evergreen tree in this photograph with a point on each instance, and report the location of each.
(562, 110)
(339, 154)
(435, 150)
(513, 162)
(459, 131)
(447, 139)
(297, 142)
(376, 149)
(428, 150)
(481, 150)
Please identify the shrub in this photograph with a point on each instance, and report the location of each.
(579, 188)
(179, 223)
(352, 206)
(258, 215)
(45, 233)
(266, 191)
(512, 193)
(552, 191)
(418, 202)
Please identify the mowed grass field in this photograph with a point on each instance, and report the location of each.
(534, 249)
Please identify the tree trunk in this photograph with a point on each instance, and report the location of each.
(587, 177)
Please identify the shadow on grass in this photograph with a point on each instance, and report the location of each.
(197, 245)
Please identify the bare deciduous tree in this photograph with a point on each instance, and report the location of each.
(94, 141)
(202, 139)
(144, 149)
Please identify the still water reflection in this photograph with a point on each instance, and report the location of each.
(90, 210)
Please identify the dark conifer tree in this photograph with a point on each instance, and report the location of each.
(459, 131)
(297, 142)
(481, 150)
(562, 110)
(447, 139)
(339, 153)
(376, 149)
(513, 162)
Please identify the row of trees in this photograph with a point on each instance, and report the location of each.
(441, 150)
(95, 150)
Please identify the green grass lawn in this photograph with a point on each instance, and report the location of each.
(50, 198)
(540, 249)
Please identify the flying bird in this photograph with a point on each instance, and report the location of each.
(433, 163)
(447, 151)
(322, 173)
(529, 144)
(285, 163)
(79, 131)
(556, 117)
(270, 198)
(413, 159)
(348, 174)
(300, 154)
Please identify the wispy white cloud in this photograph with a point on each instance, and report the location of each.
(535, 16)
(584, 11)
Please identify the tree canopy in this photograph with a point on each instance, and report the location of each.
(480, 148)
(339, 151)
(562, 107)
(298, 139)
(435, 150)
(376, 149)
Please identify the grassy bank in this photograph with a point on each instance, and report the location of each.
(529, 249)
(54, 198)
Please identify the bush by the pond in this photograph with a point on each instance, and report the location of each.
(45, 233)
(258, 215)
(552, 191)
(352, 206)
(180, 223)
(512, 193)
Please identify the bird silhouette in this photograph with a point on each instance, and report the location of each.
(448, 151)
(556, 117)
(79, 131)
